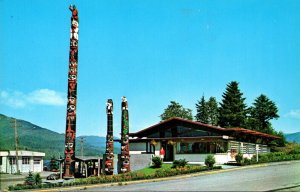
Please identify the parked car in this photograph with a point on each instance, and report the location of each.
(53, 176)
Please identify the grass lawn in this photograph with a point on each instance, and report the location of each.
(150, 170)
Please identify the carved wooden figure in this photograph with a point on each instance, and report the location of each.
(125, 158)
(69, 162)
(109, 153)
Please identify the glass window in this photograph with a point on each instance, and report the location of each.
(0, 160)
(12, 160)
(25, 160)
(190, 132)
(154, 135)
(201, 147)
(168, 133)
(36, 161)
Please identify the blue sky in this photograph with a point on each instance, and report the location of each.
(152, 52)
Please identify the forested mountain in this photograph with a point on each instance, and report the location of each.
(35, 138)
(293, 137)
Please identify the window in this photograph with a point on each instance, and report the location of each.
(12, 160)
(201, 147)
(190, 132)
(0, 160)
(36, 161)
(25, 160)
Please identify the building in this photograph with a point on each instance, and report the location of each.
(27, 161)
(193, 141)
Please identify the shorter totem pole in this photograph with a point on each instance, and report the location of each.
(124, 159)
(109, 153)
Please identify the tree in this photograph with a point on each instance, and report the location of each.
(212, 109)
(233, 110)
(53, 164)
(176, 110)
(262, 112)
(202, 111)
(37, 179)
(29, 180)
(207, 111)
(282, 141)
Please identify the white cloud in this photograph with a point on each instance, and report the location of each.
(18, 99)
(14, 99)
(294, 113)
(46, 97)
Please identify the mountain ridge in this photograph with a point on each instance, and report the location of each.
(36, 138)
(293, 137)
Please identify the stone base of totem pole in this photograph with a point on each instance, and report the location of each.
(120, 164)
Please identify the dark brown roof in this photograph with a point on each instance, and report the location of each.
(204, 138)
(175, 121)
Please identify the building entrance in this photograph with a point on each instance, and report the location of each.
(169, 149)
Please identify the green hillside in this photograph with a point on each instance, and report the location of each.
(35, 138)
(293, 137)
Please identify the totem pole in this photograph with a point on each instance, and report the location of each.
(69, 164)
(109, 153)
(124, 161)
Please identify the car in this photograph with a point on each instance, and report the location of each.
(53, 176)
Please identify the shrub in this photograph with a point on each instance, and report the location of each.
(295, 151)
(157, 162)
(37, 179)
(210, 161)
(179, 163)
(246, 161)
(29, 180)
(239, 158)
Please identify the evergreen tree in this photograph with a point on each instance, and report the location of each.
(212, 110)
(29, 180)
(262, 112)
(176, 110)
(282, 141)
(53, 164)
(233, 110)
(202, 111)
(37, 179)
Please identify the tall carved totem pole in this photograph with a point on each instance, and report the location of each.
(109, 153)
(69, 164)
(125, 163)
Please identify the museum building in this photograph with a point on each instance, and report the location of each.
(193, 141)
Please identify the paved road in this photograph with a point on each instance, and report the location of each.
(283, 176)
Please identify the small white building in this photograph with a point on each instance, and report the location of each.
(27, 161)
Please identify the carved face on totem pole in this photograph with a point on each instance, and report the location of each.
(124, 103)
(109, 107)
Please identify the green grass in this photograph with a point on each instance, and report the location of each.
(151, 170)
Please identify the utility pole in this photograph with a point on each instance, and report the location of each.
(81, 145)
(16, 143)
